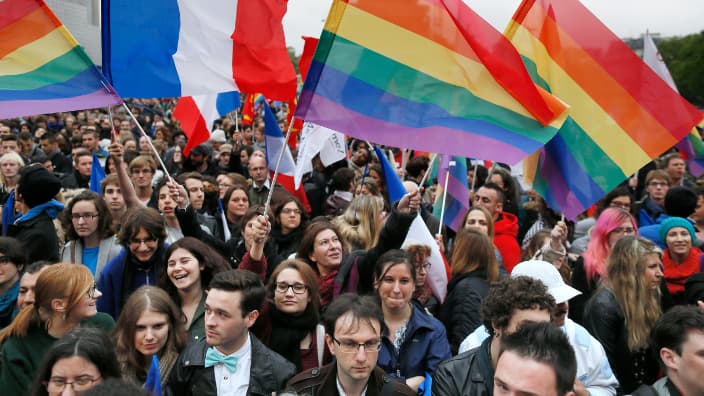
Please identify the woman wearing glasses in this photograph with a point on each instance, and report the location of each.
(87, 223)
(149, 326)
(289, 320)
(611, 225)
(416, 342)
(290, 219)
(80, 360)
(190, 265)
(65, 298)
(142, 236)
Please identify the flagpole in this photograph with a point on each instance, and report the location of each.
(112, 125)
(444, 196)
(474, 176)
(428, 172)
(149, 140)
(276, 169)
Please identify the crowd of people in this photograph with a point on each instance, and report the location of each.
(179, 274)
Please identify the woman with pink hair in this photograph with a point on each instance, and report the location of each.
(612, 225)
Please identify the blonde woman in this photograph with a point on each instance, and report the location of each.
(10, 164)
(65, 296)
(623, 310)
(362, 221)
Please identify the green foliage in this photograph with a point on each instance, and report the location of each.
(684, 57)
(294, 58)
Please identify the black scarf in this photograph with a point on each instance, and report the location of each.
(287, 331)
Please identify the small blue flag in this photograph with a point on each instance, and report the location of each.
(97, 174)
(394, 185)
(153, 382)
(8, 213)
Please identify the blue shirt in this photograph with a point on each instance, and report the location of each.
(90, 258)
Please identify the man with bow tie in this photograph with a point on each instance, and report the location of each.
(230, 360)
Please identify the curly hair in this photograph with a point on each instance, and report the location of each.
(511, 294)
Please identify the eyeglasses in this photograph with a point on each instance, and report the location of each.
(84, 216)
(352, 347)
(5, 260)
(425, 266)
(291, 211)
(92, 291)
(57, 385)
(298, 288)
(146, 241)
(624, 230)
(658, 184)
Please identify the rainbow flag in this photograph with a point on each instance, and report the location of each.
(457, 200)
(622, 115)
(43, 69)
(429, 75)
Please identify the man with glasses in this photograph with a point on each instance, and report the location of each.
(230, 360)
(652, 207)
(353, 326)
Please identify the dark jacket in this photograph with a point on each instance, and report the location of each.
(424, 347)
(269, 372)
(62, 163)
(356, 273)
(38, 236)
(323, 382)
(461, 311)
(467, 374)
(111, 282)
(605, 320)
(74, 179)
(233, 250)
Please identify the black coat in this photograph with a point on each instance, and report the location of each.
(461, 311)
(38, 236)
(467, 374)
(269, 372)
(323, 382)
(604, 319)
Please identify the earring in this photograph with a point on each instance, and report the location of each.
(63, 317)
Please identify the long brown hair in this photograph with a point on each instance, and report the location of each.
(310, 279)
(474, 251)
(147, 299)
(63, 280)
(640, 303)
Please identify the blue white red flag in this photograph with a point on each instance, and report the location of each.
(197, 114)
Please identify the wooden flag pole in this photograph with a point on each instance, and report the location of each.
(428, 172)
(444, 196)
(149, 140)
(276, 169)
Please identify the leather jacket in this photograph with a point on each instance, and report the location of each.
(269, 372)
(323, 382)
(467, 374)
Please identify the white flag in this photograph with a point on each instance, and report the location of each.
(317, 139)
(418, 234)
(652, 58)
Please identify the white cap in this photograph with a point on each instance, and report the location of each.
(549, 275)
(218, 136)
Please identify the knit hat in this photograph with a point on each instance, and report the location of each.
(672, 222)
(218, 136)
(37, 185)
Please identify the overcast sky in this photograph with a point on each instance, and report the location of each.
(626, 18)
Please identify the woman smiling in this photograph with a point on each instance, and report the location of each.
(680, 259)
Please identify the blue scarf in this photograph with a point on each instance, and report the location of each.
(8, 301)
(51, 208)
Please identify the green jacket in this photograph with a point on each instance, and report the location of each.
(23, 356)
(196, 330)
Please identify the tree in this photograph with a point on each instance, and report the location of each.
(294, 58)
(684, 57)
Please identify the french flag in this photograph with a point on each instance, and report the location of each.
(275, 142)
(198, 113)
(173, 48)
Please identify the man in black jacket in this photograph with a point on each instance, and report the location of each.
(35, 227)
(353, 325)
(508, 304)
(230, 360)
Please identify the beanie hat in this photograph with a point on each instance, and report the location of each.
(672, 222)
(37, 185)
